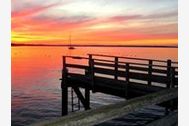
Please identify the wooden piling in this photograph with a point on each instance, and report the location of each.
(87, 93)
(64, 100)
(64, 89)
(87, 98)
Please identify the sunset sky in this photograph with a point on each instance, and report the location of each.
(133, 22)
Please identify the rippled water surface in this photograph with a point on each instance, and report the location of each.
(36, 71)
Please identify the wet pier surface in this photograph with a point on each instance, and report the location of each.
(140, 111)
(140, 117)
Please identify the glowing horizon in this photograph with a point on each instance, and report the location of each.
(136, 22)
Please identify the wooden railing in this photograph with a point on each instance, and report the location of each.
(120, 76)
(147, 71)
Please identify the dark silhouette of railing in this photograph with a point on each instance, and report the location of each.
(125, 77)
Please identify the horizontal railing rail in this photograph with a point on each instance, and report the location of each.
(124, 57)
(174, 64)
(165, 74)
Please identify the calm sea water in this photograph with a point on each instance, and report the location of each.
(36, 93)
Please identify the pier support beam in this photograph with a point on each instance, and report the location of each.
(64, 89)
(87, 98)
(85, 101)
(64, 100)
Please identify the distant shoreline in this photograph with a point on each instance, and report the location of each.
(143, 46)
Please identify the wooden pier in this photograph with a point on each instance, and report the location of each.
(125, 77)
(142, 82)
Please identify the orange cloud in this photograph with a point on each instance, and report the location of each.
(34, 25)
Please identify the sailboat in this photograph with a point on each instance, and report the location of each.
(70, 46)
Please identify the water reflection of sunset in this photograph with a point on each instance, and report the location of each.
(36, 71)
(33, 62)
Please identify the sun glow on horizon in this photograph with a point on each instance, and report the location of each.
(149, 22)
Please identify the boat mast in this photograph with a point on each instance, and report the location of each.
(70, 39)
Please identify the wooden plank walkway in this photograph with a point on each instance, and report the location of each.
(148, 116)
(106, 113)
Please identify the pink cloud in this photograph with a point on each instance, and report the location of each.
(31, 10)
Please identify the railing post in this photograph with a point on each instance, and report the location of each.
(64, 71)
(90, 58)
(172, 77)
(116, 68)
(64, 89)
(89, 63)
(92, 75)
(168, 72)
(168, 81)
(127, 80)
(172, 85)
(150, 72)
